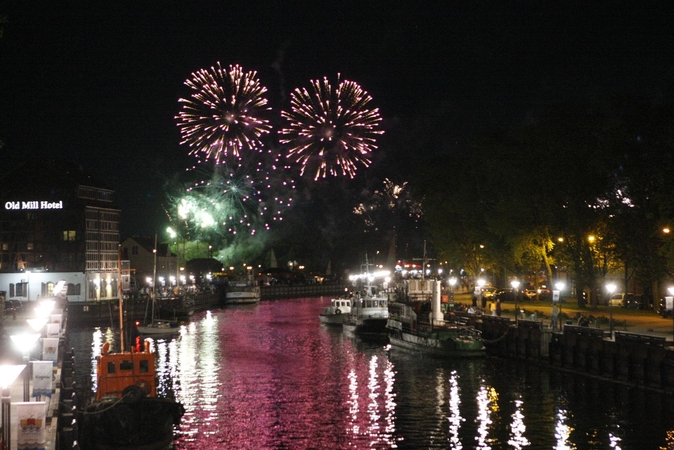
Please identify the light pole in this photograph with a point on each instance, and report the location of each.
(25, 343)
(8, 374)
(515, 284)
(611, 289)
(452, 282)
(671, 291)
(560, 287)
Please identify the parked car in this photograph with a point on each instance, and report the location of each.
(531, 293)
(544, 293)
(617, 299)
(488, 292)
(507, 295)
(13, 305)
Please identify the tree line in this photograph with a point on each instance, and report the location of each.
(581, 190)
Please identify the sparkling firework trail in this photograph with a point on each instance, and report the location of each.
(331, 132)
(222, 116)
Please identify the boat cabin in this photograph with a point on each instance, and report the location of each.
(118, 371)
(341, 303)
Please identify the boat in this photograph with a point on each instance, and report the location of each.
(368, 316)
(242, 291)
(337, 312)
(421, 326)
(369, 309)
(127, 412)
(175, 305)
(157, 326)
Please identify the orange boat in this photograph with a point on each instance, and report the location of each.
(127, 414)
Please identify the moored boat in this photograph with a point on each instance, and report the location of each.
(369, 314)
(127, 412)
(158, 327)
(369, 308)
(421, 326)
(240, 293)
(337, 312)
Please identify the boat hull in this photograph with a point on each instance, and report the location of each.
(241, 298)
(450, 343)
(365, 327)
(239, 294)
(161, 329)
(122, 424)
(332, 319)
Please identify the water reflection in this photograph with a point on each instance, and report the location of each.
(270, 376)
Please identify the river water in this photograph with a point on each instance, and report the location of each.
(270, 376)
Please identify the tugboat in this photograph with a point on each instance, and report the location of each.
(421, 326)
(369, 309)
(127, 413)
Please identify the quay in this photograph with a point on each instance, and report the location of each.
(638, 350)
(59, 426)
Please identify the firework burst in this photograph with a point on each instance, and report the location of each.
(241, 197)
(222, 116)
(331, 132)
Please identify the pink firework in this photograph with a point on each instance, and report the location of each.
(222, 117)
(331, 132)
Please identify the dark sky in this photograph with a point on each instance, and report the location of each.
(97, 82)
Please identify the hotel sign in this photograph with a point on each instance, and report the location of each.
(34, 205)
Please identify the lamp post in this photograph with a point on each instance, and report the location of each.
(611, 289)
(671, 291)
(560, 287)
(8, 374)
(25, 343)
(515, 284)
(452, 282)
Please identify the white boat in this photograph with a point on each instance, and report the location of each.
(421, 326)
(369, 309)
(240, 293)
(243, 290)
(337, 312)
(368, 317)
(159, 327)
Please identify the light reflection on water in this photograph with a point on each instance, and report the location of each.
(269, 376)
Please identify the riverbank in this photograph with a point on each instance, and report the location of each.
(646, 322)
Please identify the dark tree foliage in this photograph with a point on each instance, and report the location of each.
(582, 190)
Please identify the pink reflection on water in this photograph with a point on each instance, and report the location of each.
(269, 376)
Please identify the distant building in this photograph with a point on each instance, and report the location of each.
(140, 253)
(57, 223)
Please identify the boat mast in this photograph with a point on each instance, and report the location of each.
(154, 277)
(120, 288)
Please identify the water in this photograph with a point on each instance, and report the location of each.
(269, 376)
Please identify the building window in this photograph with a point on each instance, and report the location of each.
(69, 235)
(134, 250)
(5, 247)
(73, 289)
(30, 246)
(18, 290)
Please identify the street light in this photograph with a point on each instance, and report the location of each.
(452, 282)
(515, 284)
(25, 343)
(560, 285)
(671, 291)
(8, 374)
(611, 289)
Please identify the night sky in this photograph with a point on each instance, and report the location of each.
(98, 83)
